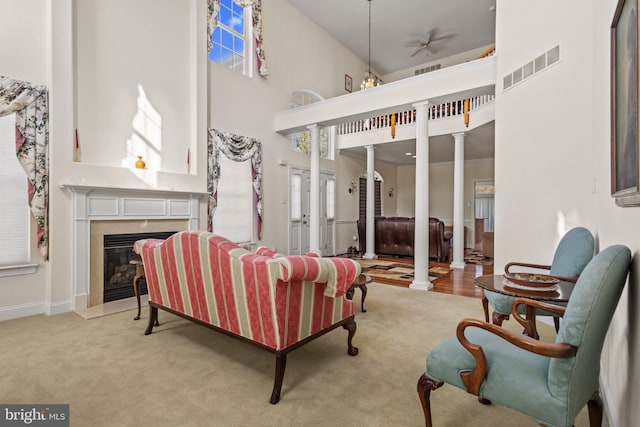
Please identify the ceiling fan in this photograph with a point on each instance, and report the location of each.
(427, 44)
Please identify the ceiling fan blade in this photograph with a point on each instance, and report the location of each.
(418, 51)
(431, 50)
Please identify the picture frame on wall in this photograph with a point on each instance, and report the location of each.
(625, 177)
(348, 82)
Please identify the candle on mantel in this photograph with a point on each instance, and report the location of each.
(76, 149)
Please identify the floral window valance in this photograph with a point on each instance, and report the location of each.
(256, 8)
(30, 104)
(239, 149)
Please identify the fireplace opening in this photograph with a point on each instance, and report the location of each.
(118, 272)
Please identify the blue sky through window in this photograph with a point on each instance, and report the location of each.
(228, 36)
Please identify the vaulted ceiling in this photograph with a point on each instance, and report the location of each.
(461, 25)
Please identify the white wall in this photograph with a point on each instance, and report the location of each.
(553, 161)
(444, 62)
(23, 54)
(621, 357)
(134, 82)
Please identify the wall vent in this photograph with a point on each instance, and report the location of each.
(426, 69)
(540, 63)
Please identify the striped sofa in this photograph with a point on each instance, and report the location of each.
(273, 301)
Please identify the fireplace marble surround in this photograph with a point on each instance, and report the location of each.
(110, 210)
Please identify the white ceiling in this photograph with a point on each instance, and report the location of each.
(394, 23)
(466, 25)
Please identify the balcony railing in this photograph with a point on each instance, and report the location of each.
(438, 111)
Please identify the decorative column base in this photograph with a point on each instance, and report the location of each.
(369, 256)
(423, 286)
(457, 265)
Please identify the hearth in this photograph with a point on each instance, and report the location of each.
(118, 272)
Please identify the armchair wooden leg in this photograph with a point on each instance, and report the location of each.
(351, 327)
(425, 385)
(595, 411)
(498, 318)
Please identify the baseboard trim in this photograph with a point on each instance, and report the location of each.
(26, 310)
(612, 417)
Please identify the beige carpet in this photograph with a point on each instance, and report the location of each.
(187, 375)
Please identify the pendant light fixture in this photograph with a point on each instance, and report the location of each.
(370, 79)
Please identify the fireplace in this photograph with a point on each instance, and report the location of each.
(118, 272)
(100, 211)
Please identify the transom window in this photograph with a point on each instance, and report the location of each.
(229, 38)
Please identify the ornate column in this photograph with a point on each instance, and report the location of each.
(421, 245)
(314, 190)
(458, 201)
(370, 223)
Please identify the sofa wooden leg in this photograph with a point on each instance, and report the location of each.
(595, 411)
(153, 319)
(425, 385)
(351, 327)
(281, 364)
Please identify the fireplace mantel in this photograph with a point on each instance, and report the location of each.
(98, 203)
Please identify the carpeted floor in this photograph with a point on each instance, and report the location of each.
(186, 375)
(396, 273)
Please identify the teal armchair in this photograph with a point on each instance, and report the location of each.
(550, 382)
(574, 251)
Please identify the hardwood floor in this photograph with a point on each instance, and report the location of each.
(456, 282)
(460, 282)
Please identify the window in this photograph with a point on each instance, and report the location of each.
(234, 217)
(14, 215)
(296, 197)
(331, 199)
(229, 38)
(301, 141)
(484, 197)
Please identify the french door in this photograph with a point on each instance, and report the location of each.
(299, 212)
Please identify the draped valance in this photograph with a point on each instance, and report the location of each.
(30, 104)
(239, 149)
(256, 10)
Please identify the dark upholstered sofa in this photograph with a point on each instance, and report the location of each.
(396, 236)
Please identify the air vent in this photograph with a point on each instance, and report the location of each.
(540, 63)
(426, 69)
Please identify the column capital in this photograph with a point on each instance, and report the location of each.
(370, 147)
(422, 105)
(313, 127)
(458, 135)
